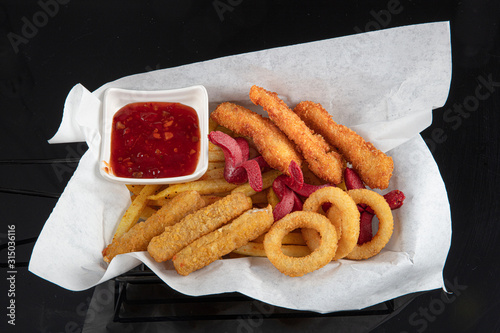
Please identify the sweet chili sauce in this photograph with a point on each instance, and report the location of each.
(154, 140)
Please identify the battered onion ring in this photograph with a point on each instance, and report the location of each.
(293, 266)
(343, 214)
(386, 223)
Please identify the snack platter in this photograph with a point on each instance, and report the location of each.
(252, 206)
(405, 254)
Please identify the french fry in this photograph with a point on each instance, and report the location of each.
(210, 199)
(158, 202)
(213, 147)
(257, 250)
(215, 165)
(147, 212)
(342, 185)
(272, 198)
(259, 198)
(210, 186)
(134, 210)
(293, 238)
(213, 174)
(216, 156)
(135, 189)
(267, 181)
(224, 130)
(212, 125)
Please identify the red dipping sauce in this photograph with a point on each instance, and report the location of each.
(154, 140)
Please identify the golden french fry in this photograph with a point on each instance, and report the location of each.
(147, 212)
(295, 250)
(158, 202)
(212, 147)
(267, 181)
(210, 186)
(259, 198)
(210, 199)
(224, 130)
(257, 250)
(212, 125)
(216, 156)
(272, 198)
(213, 174)
(293, 238)
(135, 189)
(342, 185)
(134, 210)
(215, 165)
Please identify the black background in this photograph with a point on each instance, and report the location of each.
(93, 42)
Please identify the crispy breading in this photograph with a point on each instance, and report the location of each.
(322, 159)
(373, 166)
(271, 143)
(197, 224)
(207, 249)
(139, 236)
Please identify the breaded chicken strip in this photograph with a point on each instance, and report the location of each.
(197, 224)
(373, 166)
(139, 236)
(271, 143)
(322, 159)
(207, 249)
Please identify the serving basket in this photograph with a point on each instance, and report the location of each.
(141, 296)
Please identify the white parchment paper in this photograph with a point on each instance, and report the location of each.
(383, 84)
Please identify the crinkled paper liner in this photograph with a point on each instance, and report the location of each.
(383, 84)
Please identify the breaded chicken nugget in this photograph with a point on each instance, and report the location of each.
(197, 224)
(373, 166)
(139, 236)
(207, 249)
(272, 144)
(322, 159)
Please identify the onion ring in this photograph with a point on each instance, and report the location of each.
(343, 214)
(386, 223)
(293, 266)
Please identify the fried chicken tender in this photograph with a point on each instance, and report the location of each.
(271, 143)
(373, 166)
(139, 236)
(322, 159)
(197, 224)
(207, 249)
